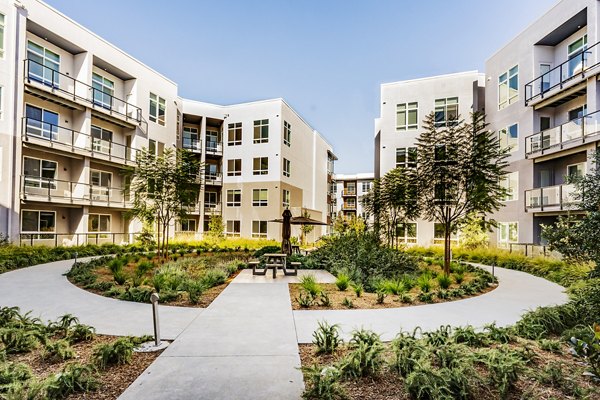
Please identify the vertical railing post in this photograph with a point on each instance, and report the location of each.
(541, 199)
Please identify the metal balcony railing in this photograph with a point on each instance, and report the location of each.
(212, 208)
(57, 136)
(558, 76)
(349, 207)
(214, 147)
(213, 178)
(349, 192)
(59, 191)
(54, 81)
(191, 144)
(74, 239)
(559, 196)
(555, 138)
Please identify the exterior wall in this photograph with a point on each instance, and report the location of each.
(341, 181)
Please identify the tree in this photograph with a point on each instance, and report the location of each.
(575, 236)
(343, 225)
(392, 201)
(163, 187)
(305, 229)
(474, 234)
(459, 167)
(216, 228)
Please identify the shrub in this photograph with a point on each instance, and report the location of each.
(424, 283)
(342, 282)
(143, 268)
(115, 353)
(459, 277)
(545, 321)
(115, 265)
(347, 303)
(553, 346)
(73, 378)
(322, 383)
(305, 299)
(213, 277)
(444, 281)
(499, 334)
(468, 336)
(504, 367)
(364, 336)
(57, 351)
(425, 297)
(365, 359)
(406, 298)
(326, 338)
(310, 285)
(393, 286)
(137, 294)
(589, 351)
(80, 333)
(11, 372)
(18, 340)
(380, 297)
(194, 289)
(324, 299)
(425, 383)
(120, 277)
(358, 289)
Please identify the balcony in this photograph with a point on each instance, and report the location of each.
(349, 207)
(214, 148)
(75, 239)
(564, 82)
(349, 192)
(56, 137)
(212, 208)
(43, 81)
(47, 190)
(551, 198)
(565, 136)
(213, 178)
(193, 145)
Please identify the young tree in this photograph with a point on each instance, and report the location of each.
(216, 228)
(575, 236)
(162, 188)
(305, 229)
(459, 167)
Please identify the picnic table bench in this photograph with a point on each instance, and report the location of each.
(274, 261)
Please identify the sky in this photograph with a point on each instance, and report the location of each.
(326, 58)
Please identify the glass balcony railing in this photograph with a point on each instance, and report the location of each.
(553, 80)
(213, 178)
(191, 144)
(557, 137)
(553, 197)
(349, 192)
(75, 239)
(214, 147)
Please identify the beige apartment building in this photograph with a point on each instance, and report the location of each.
(74, 110)
(349, 190)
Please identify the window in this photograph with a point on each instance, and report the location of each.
(41, 122)
(576, 170)
(234, 134)
(234, 198)
(234, 167)
(508, 87)
(212, 141)
(98, 223)
(157, 109)
(259, 229)
(38, 221)
(260, 197)
(508, 232)
(438, 233)
(287, 167)
(406, 157)
(101, 185)
(190, 138)
(446, 111)
(286, 198)
(407, 232)
(187, 225)
(101, 139)
(211, 199)
(577, 56)
(407, 116)
(43, 64)
(261, 166)
(39, 173)
(544, 73)
(261, 131)
(103, 91)
(366, 186)
(232, 228)
(2, 35)
(350, 188)
(287, 133)
(152, 146)
(577, 113)
(509, 137)
(511, 183)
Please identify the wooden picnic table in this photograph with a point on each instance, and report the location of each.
(275, 260)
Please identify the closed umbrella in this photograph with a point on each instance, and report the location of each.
(286, 233)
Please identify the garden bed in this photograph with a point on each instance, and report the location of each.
(189, 279)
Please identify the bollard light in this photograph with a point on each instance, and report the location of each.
(75, 257)
(154, 299)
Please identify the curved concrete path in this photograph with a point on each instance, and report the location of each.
(516, 293)
(48, 294)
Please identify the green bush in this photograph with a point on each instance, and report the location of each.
(57, 351)
(309, 284)
(143, 268)
(17, 340)
(365, 359)
(444, 281)
(358, 289)
(305, 299)
(11, 373)
(504, 367)
(194, 289)
(326, 338)
(424, 283)
(347, 303)
(139, 294)
(80, 333)
(115, 353)
(74, 378)
(342, 281)
(213, 277)
(322, 383)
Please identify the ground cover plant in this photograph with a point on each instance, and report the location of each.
(64, 359)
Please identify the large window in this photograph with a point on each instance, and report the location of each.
(233, 228)
(234, 134)
(101, 139)
(39, 173)
(407, 116)
(286, 198)
(2, 35)
(158, 107)
(509, 138)
(259, 229)
(511, 183)
(38, 221)
(261, 131)
(260, 197)
(99, 223)
(508, 232)
(103, 91)
(406, 157)
(407, 232)
(287, 133)
(446, 111)
(508, 87)
(42, 123)
(43, 65)
(366, 186)
(152, 148)
(287, 167)
(438, 233)
(187, 225)
(234, 198)
(190, 138)
(234, 167)
(211, 199)
(260, 166)
(101, 182)
(576, 58)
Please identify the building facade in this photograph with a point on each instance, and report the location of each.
(74, 110)
(349, 190)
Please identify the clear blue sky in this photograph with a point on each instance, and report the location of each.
(326, 58)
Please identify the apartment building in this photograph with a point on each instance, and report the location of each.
(74, 110)
(542, 97)
(349, 190)
(403, 107)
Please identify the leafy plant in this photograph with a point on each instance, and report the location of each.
(360, 336)
(424, 283)
(59, 350)
(73, 378)
(324, 299)
(305, 299)
(17, 340)
(381, 295)
(322, 383)
(499, 334)
(425, 297)
(468, 336)
(11, 372)
(504, 367)
(444, 281)
(406, 298)
(326, 338)
(589, 351)
(358, 289)
(459, 277)
(347, 303)
(309, 283)
(194, 289)
(365, 359)
(342, 281)
(115, 353)
(80, 333)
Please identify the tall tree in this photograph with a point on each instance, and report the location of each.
(163, 187)
(459, 167)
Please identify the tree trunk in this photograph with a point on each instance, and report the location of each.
(447, 249)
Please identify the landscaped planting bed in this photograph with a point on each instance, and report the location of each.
(64, 359)
(428, 284)
(189, 279)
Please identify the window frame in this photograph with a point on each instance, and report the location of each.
(286, 198)
(260, 224)
(410, 157)
(257, 197)
(504, 235)
(233, 130)
(233, 232)
(159, 118)
(406, 109)
(445, 109)
(505, 80)
(512, 193)
(261, 131)
(103, 89)
(99, 231)
(3, 32)
(39, 232)
(187, 221)
(260, 166)
(287, 167)
(237, 162)
(506, 131)
(40, 181)
(287, 133)
(236, 198)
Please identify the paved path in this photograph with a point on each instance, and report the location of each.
(516, 293)
(243, 346)
(48, 294)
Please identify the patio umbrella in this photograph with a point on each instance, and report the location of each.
(286, 233)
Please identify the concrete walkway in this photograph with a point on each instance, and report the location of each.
(516, 293)
(48, 294)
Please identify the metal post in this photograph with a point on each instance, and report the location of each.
(493, 268)
(75, 258)
(154, 299)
